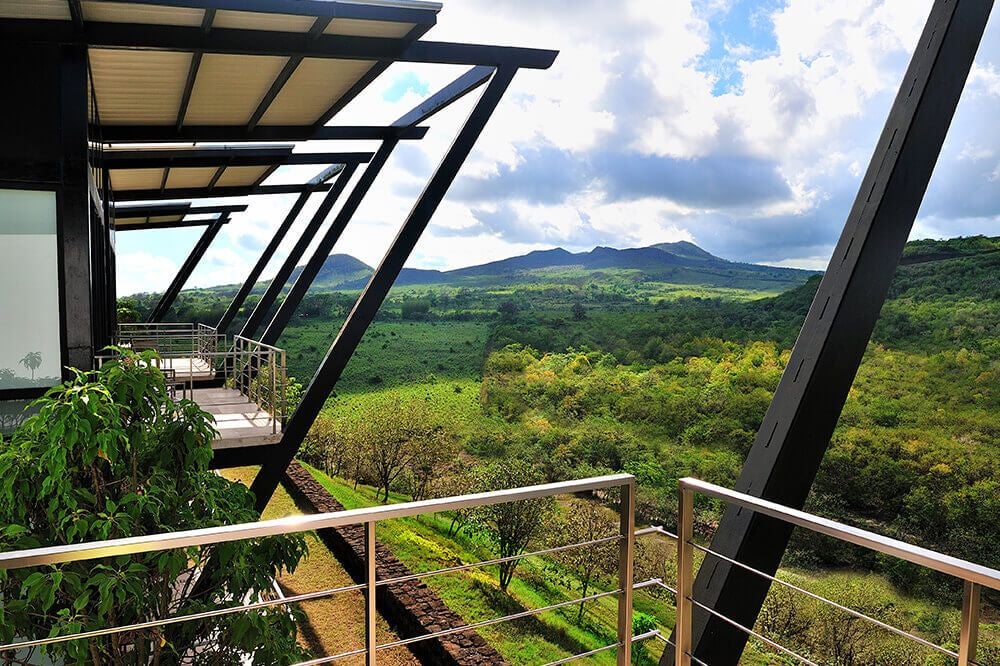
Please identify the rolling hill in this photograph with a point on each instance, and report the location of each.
(679, 263)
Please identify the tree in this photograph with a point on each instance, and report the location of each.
(109, 455)
(435, 457)
(511, 526)
(508, 310)
(32, 361)
(393, 436)
(586, 521)
(325, 447)
(414, 308)
(579, 312)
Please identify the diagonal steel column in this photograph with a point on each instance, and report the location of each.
(322, 251)
(279, 235)
(281, 277)
(272, 246)
(797, 428)
(280, 455)
(463, 85)
(168, 297)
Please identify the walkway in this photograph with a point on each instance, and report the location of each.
(239, 422)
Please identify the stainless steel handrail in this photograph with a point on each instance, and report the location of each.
(241, 363)
(974, 576)
(367, 517)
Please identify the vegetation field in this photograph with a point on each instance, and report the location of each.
(394, 353)
(576, 370)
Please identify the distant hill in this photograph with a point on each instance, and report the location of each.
(681, 263)
(337, 270)
(675, 263)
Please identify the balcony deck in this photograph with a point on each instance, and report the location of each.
(189, 369)
(240, 422)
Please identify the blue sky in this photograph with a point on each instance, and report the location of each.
(742, 125)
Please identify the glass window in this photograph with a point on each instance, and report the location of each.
(30, 349)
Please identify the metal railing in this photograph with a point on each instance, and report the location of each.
(190, 352)
(974, 576)
(171, 338)
(368, 518)
(260, 372)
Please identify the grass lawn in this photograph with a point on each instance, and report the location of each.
(335, 624)
(423, 545)
(392, 353)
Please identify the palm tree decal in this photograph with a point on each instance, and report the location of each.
(31, 361)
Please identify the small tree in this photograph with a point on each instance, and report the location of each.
(32, 361)
(579, 312)
(460, 482)
(414, 308)
(325, 447)
(586, 521)
(508, 310)
(109, 455)
(435, 457)
(511, 526)
(393, 436)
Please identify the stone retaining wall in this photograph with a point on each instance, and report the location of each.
(411, 607)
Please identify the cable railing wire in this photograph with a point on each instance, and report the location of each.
(974, 576)
(829, 602)
(604, 648)
(367, 517)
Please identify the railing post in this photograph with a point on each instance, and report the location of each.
(685, 576)
(274, 390)
(370, 590)
(968, 638)
(284, 386)
(626, 558)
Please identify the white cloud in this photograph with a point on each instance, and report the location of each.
(630, 81)
(143, 272)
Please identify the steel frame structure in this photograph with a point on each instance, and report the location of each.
(794, 435)
(277, 457)
(169, 209)
(197, 252)
(277, 283)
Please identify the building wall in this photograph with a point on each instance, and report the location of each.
(43, 149)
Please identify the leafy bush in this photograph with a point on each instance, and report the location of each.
(110, 455)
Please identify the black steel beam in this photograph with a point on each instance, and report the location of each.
(374, 294)
(192, 75)
(454, 91)
(362, 83)
(800, 421)
(76, 12)
(153, 159)
(161, 156)
(168, 297)
(271, 43)
(152, 226)
(273, 290)
(340, 10)
(447, 96)
(119, 134)
(216, 193)
(265, 257)
(319, 256)
(179, 208)
(319, 25)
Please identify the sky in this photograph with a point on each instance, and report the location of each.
(744, 126)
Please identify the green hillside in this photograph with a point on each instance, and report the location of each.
(583, 368)
(677, 263)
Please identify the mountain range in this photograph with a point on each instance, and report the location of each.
(680, 263)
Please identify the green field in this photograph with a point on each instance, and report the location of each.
(582, 372)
